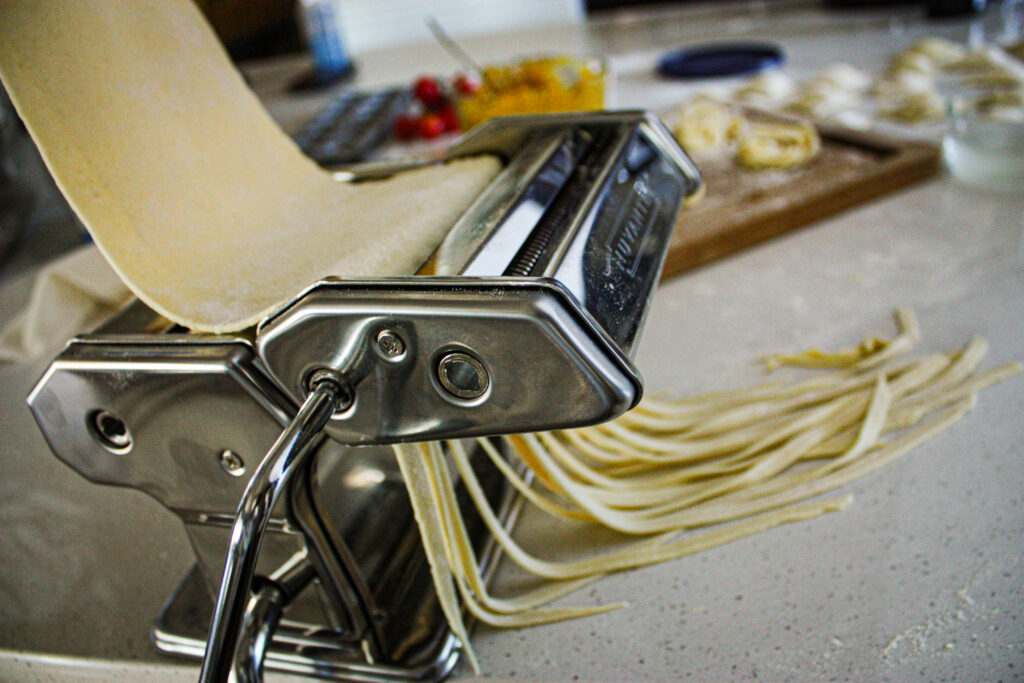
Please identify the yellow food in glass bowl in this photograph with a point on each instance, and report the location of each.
(535, 86)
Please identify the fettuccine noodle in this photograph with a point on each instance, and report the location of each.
(685, 475)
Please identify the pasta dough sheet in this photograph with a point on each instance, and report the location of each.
(199, 201)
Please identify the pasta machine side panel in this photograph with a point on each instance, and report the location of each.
(186, 422)
(538, 361)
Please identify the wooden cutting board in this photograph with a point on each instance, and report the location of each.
(743, 208)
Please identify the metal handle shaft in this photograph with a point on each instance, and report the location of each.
(258, 501)
(257, 630)
(263, 614)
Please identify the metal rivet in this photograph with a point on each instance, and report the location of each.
(232, 462)
(462, 376)
(390, 344)
(111, 431)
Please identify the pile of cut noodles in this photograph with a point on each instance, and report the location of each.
(684, 475)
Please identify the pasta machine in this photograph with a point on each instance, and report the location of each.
(524, 319)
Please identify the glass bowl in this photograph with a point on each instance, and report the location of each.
(984, 144)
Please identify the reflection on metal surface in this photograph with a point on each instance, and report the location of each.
(297, 648)
(364, 477)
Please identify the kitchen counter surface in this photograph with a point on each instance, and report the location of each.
(922, 578)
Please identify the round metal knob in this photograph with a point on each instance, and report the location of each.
(462, 376)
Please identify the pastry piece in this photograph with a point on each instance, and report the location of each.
(768, 88)
(834, 90)
(1016, 51)
(995, 79)
(897, 85)
(704, 125)
(816, 101)
(778, 145)
(913, 61)
(917, 108)
(1006, 107)
(993, 69)
(927, 56)
(979, 61)
(941, 51)
(841, 77)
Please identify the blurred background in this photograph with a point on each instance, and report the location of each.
(298, 55)
(261, 28)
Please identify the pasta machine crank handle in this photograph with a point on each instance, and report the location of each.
(269, 599)
(327, 394)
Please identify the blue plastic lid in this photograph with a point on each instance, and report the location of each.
(714, 60)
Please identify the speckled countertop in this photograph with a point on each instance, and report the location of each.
(922, 578)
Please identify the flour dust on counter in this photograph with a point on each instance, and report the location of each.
(199, 201)
(677, 476)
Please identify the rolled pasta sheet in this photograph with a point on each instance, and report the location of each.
(203, 206)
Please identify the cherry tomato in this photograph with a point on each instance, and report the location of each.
(467, 84)
(450, 116)
(428, 91)
(406, 127)
(431, 125)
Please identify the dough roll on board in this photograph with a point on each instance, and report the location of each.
(200, 202)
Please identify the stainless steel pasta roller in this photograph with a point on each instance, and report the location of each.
(525, 318)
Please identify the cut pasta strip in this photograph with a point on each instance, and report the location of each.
(541, 502)
(519, 611)
(641, 552)
(678, 476)
(868, 353)
(434, 543)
